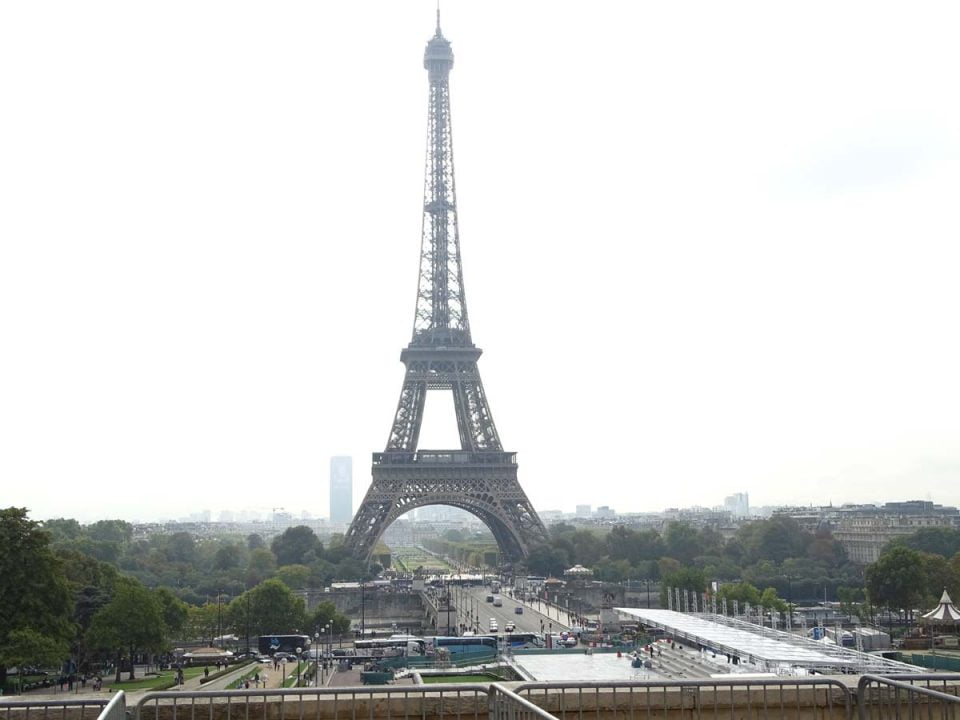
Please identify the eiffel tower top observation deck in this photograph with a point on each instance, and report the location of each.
(478, 476)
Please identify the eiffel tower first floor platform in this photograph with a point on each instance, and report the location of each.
(482, 483)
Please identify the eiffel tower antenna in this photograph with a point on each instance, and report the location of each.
(479, 476)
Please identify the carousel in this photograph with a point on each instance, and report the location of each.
(943, 615)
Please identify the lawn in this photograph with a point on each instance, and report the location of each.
(148, 682)
(291, 679)
(460, 678)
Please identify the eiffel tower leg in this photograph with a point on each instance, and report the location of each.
(406, 423)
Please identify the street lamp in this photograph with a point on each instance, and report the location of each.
(316, 639)
(329, 629)
(299, 650)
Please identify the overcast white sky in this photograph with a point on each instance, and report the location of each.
(708, 247)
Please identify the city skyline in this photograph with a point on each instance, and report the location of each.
(228, 514)
(749, 210)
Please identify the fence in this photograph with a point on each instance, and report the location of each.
(506, 705)
(700, 699)
(116, 709)
(901, 697)
(934, 662)
(397, 702)
(74, 709)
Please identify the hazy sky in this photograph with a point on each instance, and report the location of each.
(708, 247)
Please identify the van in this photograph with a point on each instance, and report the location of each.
(497, 601)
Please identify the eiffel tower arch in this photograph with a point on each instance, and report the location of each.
(479, 476)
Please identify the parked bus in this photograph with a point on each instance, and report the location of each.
(270, 644)
(523, 640)
(467, 643)
(391, 646)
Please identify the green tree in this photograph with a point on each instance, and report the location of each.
(685, 578)
(116, 531)
(228, 557)
(202, 622)
(769, 600)
(897, 579)
(269, 608)
(181, 548)
(294, 576)
(132, 621)
(612, 570)
(63, 530)
(742, 592)
(27, 647)
(325, 614)
(775, 540)
(296, 546)
(173, 610)
(937, 541)
(683, 542)
(262, 565)
(939, 575)
(587, 548)
(255, 541)
(34, 593)
(547, 560)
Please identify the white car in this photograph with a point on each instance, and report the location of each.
(493, 625)
(509, 627)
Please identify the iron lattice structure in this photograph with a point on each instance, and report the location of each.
(479, 477)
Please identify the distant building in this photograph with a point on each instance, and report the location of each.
(864, 530)
(341, 489)
(584, 511)
(738, 505)
(605, 512)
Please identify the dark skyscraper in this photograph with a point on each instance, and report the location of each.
(341, 489)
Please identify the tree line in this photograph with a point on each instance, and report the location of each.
(60, 601)
(775, 553)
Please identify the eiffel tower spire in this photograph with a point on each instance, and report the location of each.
(479, 476)
(441, 313)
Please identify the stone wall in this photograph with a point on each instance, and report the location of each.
(380, 609)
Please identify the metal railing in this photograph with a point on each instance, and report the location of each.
(74, 709)
(900, 697)
(905, 697)
(706, 698)
(116, 709)
(507, 705)
(397, 702)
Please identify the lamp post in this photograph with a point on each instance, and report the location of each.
(299, 650)
(219, 621)
(316, 639)
(329, 629)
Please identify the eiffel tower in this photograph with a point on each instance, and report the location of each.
(479, 477)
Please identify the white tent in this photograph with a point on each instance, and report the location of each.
(946, 612)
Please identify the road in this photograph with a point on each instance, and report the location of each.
(474, 610)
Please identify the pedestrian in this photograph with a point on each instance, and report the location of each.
(246, 685)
